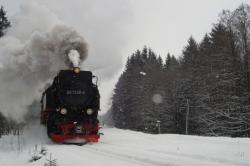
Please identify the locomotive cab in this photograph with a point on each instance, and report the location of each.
(70, 107)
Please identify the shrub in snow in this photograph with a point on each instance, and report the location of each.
(43, 150)
(50, 162)
(35, 156)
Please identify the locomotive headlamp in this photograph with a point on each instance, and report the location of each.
(63, 111)
(76, 69)
(89, 111)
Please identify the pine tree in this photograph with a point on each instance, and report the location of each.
(167, 61)
(3, 123)
(4, 22)
(238, 23)
(171, 69)
(188, 88)
(222, 82)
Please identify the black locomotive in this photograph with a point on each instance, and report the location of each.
(69, 107)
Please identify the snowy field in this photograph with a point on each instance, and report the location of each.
(127, 148)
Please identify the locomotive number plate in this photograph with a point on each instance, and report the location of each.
(75, 92)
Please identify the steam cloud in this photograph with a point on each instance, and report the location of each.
(53, 47)
(37, 46)
(29, 67)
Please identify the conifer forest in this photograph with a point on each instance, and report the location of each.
(205, 91)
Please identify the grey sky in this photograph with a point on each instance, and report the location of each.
(164, 25)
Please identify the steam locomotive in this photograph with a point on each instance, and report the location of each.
(69, 107)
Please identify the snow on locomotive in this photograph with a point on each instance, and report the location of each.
(69, 107)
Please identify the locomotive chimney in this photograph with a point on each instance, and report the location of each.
(76, 69)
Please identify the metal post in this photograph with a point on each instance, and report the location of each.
(187, 114)
(158, 124)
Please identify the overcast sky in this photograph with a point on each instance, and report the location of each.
(116, 28)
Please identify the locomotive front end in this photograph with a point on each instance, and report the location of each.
(70, 107)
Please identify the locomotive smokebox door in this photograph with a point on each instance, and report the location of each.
(74, 88)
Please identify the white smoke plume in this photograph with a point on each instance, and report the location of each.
(74, 57)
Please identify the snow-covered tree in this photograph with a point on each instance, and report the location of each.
(4, 22)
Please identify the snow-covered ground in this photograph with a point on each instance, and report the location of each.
(128, 148)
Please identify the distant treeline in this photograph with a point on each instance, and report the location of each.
(9, 126)
(206, 91)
